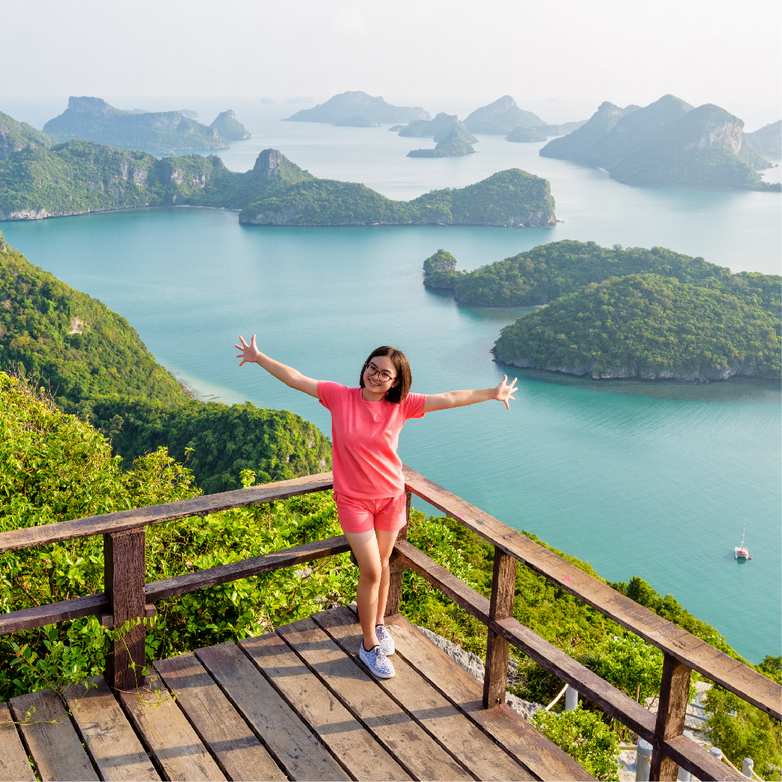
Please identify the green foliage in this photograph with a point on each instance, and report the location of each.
(72, 342)
(647, 326)
(228, 127)
(216, 441)
(15, 136)
(585, 737)
(442, 260)
(741, 731)
(456, 143)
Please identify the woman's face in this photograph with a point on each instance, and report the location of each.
(380, 376)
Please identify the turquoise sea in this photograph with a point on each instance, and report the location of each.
(656, 480)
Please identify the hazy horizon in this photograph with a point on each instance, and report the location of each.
(444, 56)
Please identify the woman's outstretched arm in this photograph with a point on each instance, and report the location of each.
(288, 375)
(503, 393)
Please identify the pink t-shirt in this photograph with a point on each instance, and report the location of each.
(364, 437)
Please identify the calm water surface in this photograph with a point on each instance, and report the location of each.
(656, 480)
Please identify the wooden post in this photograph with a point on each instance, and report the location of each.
(672, 708)
(396, 568)
(124, 580)
(503, 590)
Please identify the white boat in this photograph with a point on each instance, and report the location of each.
(740, 552)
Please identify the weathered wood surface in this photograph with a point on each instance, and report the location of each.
(174, 745)
(404, 738)
(462, 738)
(503, 592)
(157, 514)
(113, 745)
(27, 618)
(13, 758)
(237, 750)
(693, 652)
(50, 738)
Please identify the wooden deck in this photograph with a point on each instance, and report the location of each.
(294, 704)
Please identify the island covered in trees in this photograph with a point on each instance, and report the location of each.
(79, 177)
(666, 144)
(622, 313)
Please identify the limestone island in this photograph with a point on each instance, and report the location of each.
(454, 144)
(227, 126)
(666, 144)
(504, 116)
(349, 105)
(165, 132)
(615, 313)
(80, 177)
(767, 141)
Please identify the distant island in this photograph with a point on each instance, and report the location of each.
(79, 177)
(666, 144)
(348, 106)
(92, 119)
(456, 142)
(227, 126)
(611, 313)
(767, 141)
(504, 116)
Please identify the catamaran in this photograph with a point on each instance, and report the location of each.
(740, 552)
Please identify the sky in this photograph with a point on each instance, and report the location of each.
(446, 55)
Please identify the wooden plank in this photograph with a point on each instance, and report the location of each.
(745, 682)
(357, 749)
(157, 514)
(38, 616)
(671, 711)
(108, 736)
(13, 757)
(123, 566)
(175, 746)
(542, 757)
(697, 760)
(50, 738)
(290, 742)
(189, 582)
(460, 736)
(406, 740)
(503, 592)
(589, 684)
(236, 748)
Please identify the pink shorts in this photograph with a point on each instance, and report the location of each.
(359, 515)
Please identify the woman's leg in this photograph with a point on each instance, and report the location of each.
(372, 550)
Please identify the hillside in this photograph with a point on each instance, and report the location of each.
(454, 144)
(767, 141)
(92, 119)
(666, 144)
(352, 107)
(504, 116)
(80, 177)
(16, 136)
(649, 327)
(94, 364)
(228, 127)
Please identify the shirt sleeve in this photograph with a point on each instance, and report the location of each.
(327, 390)
(413, 405)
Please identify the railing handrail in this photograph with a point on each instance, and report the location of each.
(124, 541)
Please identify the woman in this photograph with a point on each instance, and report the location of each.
(369, 489)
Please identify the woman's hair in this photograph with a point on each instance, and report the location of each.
(403, 374)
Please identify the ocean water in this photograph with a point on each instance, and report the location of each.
(656, 480)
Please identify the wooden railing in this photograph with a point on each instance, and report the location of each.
(127, 598)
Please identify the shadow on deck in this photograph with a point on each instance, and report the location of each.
(295, 704)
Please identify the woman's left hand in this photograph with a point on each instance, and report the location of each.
(505, 391)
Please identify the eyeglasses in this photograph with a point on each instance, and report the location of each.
(380, 373)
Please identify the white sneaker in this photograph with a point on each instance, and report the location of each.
(379, 665)
(385, 639)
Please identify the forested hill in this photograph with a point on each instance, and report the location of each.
(666, 144)
(80, 177)
(95, 365)
(681, 318)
